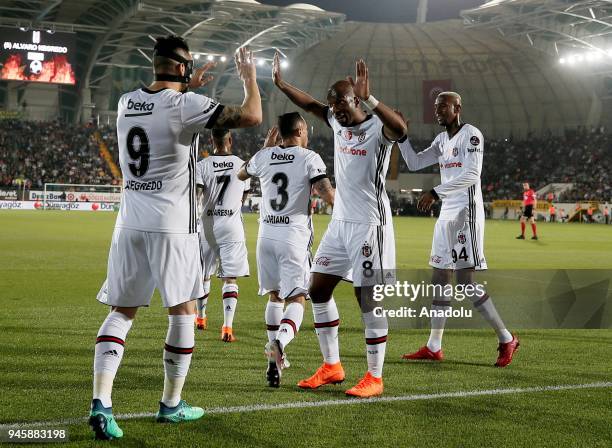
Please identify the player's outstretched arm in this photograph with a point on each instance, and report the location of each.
(249, 113)
(323, 188)
(242, 174)
(416, 161)
(394, 125)
(297, 97)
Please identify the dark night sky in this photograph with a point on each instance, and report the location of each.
(387, 10)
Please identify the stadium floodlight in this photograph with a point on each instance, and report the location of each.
(261, 62)
(223, 59)
(196, 56)
(284, 63)
(210, 57)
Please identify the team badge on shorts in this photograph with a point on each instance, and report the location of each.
(366, 250)
(455, 152)
(461, 238)
(475, 140)
(361, 138)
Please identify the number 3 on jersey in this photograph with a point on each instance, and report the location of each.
(139, 154)
(282, 182)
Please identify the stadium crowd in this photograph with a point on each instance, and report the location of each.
(32, 153)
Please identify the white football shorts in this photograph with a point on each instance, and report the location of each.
(139, 262)
(361, 253)
(282, 267)
(224, 259)
(458, 245)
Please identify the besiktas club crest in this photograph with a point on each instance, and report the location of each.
(461, 238)
(366, 250)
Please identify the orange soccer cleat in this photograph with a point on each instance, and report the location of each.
(425, 353)
(326, 374)
(227, 335)
(202, 323)
(368, 386)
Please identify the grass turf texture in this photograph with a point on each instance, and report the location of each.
(54, 262)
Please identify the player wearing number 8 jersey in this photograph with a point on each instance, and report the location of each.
(459, 232)
(287, 172)
(155, 244)
(359, 242)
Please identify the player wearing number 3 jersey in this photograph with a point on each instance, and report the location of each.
(459, 232)
(287, 172)
(155, 241)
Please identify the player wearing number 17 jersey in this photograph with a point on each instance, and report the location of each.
(155, 244)
(222, 242)
(359, 242)
(287, 173)
(459, 232)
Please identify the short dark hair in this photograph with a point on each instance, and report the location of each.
(288, 123)
(168, 44)
(219, 135)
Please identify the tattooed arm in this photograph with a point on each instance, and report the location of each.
(323, 188)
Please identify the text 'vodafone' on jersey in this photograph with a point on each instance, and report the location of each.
(361, 161)
(286, 176)
(157, 136)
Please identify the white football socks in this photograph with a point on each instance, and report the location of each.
(108, 354)
(290, 323)
(485, 307)
(326, 321)
(437, 324)
(202, 303)
(273, 316)
(376, 330)
(230, 300)
(177, 357)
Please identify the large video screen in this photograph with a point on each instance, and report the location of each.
(37, 56)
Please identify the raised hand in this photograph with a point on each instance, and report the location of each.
(245, 64)
(276, 70)
(361, 84)
(199, 78)
(271, 137)
(425, 202)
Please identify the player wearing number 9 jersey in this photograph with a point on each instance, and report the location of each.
(459, 232)
(155, 244)
(287, 173)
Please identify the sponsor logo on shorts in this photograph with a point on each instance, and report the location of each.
(475, 140)
(366, 250)
(322, 261)
(436, 259)
(461, 238)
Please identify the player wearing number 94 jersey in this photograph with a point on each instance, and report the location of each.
(155, 244)
(287, 173)
(459, 232)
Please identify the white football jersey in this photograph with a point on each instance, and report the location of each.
(286, 176)
(361, 160)
(460, 160)
(222, 200)
(157, 135)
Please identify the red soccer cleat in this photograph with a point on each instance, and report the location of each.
(425, 353)
(506, 351)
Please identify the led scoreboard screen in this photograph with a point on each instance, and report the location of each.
(37, 56)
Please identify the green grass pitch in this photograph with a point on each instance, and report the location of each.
(52, 266)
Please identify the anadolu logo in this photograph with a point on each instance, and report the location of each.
(282, 156)
(140, 106)
(223, 164)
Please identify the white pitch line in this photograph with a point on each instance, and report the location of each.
(324, 403)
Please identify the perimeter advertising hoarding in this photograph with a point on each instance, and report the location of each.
(37, 56)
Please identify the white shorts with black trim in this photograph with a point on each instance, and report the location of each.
(282, 267)
(361, 253)
(139, 262)
(224, 259)
(458, 245)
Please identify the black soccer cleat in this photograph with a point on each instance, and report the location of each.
(520, 237)
(273, 375)
(535, 237)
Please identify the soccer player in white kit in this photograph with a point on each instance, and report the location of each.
(155, 241)
(459, 231)
(222, 242)
(359, 242)
(288, 172)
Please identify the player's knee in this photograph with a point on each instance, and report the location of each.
(319, 293)
(129, 312)
(182, 308)
(300, 298)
